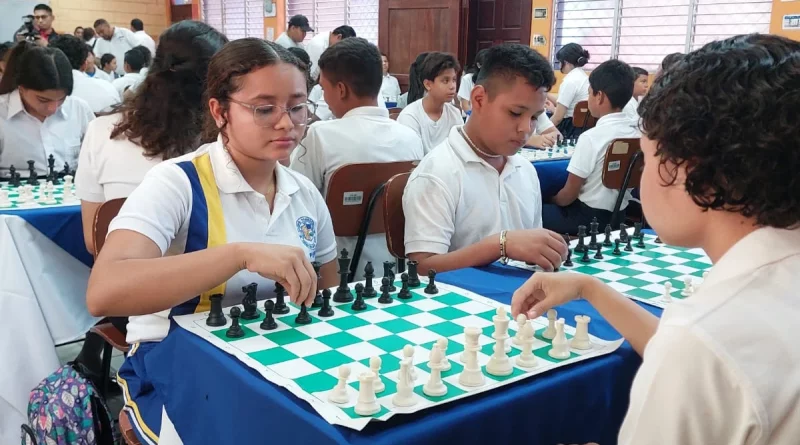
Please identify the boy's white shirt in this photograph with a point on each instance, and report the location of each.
(722, 368)
(589, 158)
(631, 110)
(285, 41)
(390, 88)
(465, 88)
(432, 133)
(574, 88)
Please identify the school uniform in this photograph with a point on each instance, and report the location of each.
(432, 133)
(102, 75)
(99, 94)
(122, 41)
(129, 81)
(390, 88)
(24, 137)
(323, 111)
(195, 202)
(315, 47)
(722, 365)
(363, 135)
(543, 123)
(465, 88)
(454, 198)
(632, 110)
(285, 41)
(146, 41)
(574, 88)
(595, 200)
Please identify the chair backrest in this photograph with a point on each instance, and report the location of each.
(581, 117)
(105, 213)
(349, 192)
(394, 112)
(393, 217)
(619, 154)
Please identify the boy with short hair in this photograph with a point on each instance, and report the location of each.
(434, 115)
(720, 367)
(99, 94)
(584, 196)
(135, 61)
(640, 87)
(351, 75)
(473, 199)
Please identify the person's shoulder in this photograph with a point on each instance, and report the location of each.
(102, 126)
(75, 103)
(306, 189)
(452, 110)
(403, 132)
(440, 161)
(412, 110)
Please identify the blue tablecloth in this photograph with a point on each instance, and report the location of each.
(213, 398)
(552, 176)
(61, 224)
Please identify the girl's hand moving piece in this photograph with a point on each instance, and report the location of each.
(285, 264)
(544, 291)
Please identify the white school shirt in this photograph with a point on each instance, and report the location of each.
(99, 94)
(465, 89)
(543, 123)
(431, 132)
(364, 134)
(161, 206)
(631, 110)
(130, 80)
(590, 155)
(146, 41)
(110, 168)
(315, 47)
(323, 111)
(574, 88)
(390, 88)
(285, 41)
(121, 42)
(722, 367)
(24, 137)
(454, 198)
(102, 75)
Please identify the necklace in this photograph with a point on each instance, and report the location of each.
(475, 147)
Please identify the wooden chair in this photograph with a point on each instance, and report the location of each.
(622, 170)
(393, 217)
(354, 191)
(126, 429)
(394, 112)
(581, 118)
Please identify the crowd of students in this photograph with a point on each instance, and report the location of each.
(225, 172)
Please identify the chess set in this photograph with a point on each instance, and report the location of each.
(639, 266)
(363, 353)
(562, 151)
(34, 193)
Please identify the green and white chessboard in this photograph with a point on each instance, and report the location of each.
(38, 202)
(534, 155)
(641, 274)
(305, 358)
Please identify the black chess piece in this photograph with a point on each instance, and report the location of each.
(386, 297)
(616, 251)
(413, 274)
(280, 304)
(607, 241)
(568, 262)
(641, 244)
(431, 288)
(342, 294)
(637, 229)
(52, 175)
(623, 233)
(249, 302)
(628, 247)
(388, 272)
(599, 254)
(17, 179)
(586, 258)
(66, 170)
(326, 310)
(593, 231)
(269, 322)
(216, 317)
(581, 247)
(658, 240)
(32, 177)
(235, 331)
(405, 293)
(12, 171)
(318, 297)
(359, 304)
(303, 317)
(369, 274)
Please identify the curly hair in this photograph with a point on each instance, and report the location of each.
(165, 116)
(728, 113)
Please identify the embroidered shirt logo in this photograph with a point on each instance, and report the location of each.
(307, 231)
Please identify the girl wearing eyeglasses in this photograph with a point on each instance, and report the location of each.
(215, 220)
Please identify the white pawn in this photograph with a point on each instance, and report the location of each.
(405, 388)
(522, 320)
(560, 349)
(667, 297)
(367, 404)
(408, 353)
(435, 387)
(527, 359)
(705, 275)
(550, 332)
(375, 366)
(339, 392)
(688, 287)
(442, 342)
(471, 375)
(581, 339)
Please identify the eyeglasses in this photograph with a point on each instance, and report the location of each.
(269, 115)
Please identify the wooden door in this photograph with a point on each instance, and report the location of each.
(498, 21)
(409, 27)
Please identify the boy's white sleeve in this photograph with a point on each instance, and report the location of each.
(307, 159)
(584, 160)
(543, 123)
(430, 211)
(465, 89)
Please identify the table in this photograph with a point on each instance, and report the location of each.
(574, 405)
(552, 176)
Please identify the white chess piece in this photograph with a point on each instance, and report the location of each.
(408, 352)
(499, 364)
(705, 275)
(339, 392)
(581, 339)
(527, 359)
(560, 349)
(375, 366)
(522, 320)
(471, 375)
(434, 386)
(367, 404)
(442, 342)
(687, 287)
(50, 193)
(550, 332)
(667, 297)
(68, 196)
(4, 199)
(405, 388)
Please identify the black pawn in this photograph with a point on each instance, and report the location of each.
(586, 258)
(32, 177)
(369, 274)
(658, 240)
(303, 317)
(431, 287)
(269, 322)
(640, 244)
(405, 293)
(342, 294)
(616, 251)
(318, 297)
(216, 317)
(326, 310)
(623, 233)
(66, 170)
(386, 297)
(12, 171)
(599, 254)
(235, 331)
(413, 274)
(637, 229)
(359, 304)
(388, 272)
(581, 247)
(280, 304)
(628, 247)
(607, 241)
(568, 263)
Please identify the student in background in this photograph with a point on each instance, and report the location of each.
(416, 90)
(38, 115)
(135, 62)
(99, 94)
(114, 40)
(573, 89)
(92, 69)
(473, 199)
(468, 81)
(144, 39)
(351, 77)
(320, 42)
(5, 48)
(390, 88)
(89, 36)
(78, 32)
(640, 87)
(302, 55)
(108, 63)
(433, 116)
(295, 33)
(584, 196)
(725, 183)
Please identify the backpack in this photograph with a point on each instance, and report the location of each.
(66, 409)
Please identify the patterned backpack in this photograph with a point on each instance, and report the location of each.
(66, 409)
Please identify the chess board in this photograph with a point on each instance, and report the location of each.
(13, 194)
(640, 274)
(534, 155)
(305, 358)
